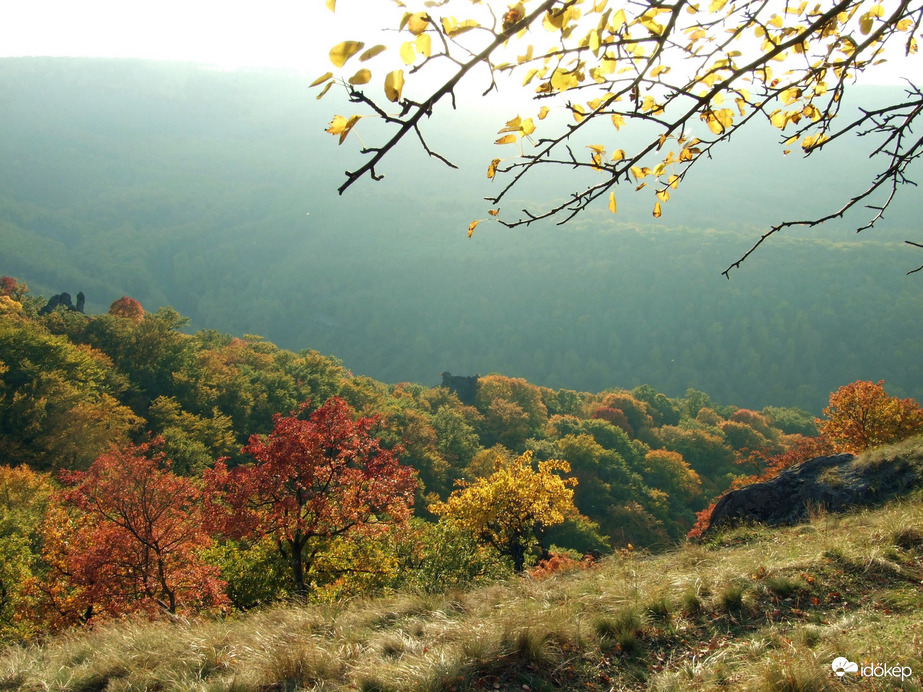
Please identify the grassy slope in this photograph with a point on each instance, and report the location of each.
(755, 609)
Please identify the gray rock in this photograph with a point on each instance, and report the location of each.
(834, 483)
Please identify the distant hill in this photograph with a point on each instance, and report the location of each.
(214, 192)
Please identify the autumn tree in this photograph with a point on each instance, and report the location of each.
(129, 308)
(862, 415)
(511, 508)
(313, 481)
(687, 76)
(127, 536)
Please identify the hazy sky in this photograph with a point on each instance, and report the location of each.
(278, 33)
(295, 34)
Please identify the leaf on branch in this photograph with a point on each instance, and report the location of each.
(424, 45)
(394, 85)
(332, 5)
(416, 22)
(472, 226)
(408, 52)
(341, 125)
(542, 112)
(657, 211)
(363, 76)
(372, 52)
(612, 206)
(324, 91)
(452, 27)
(493, 212)
(321, 80)
(506, 139)
(342, 52)
(492, 168)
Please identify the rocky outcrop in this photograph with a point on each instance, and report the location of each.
(63, 300)
(465, 387)
(834, 483)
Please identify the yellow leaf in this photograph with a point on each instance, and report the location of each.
(424, 45)
(417, 23)
(663, 195)
(493, 212)
(324, 90)
(866, 22)
(394, 85)
(618, 154)
(452, 27)
(657, 210)
(321, 80)
(612, 206)
(673, 181)
(528, 127)
(542, 112)
(618, 121)
(408, 52)
(511, 125)
(618, 21)
(341, 126)
(363, 76)
(342, 52)
(331, 5)
(472, 226)
(506, 139)
(717, 5)
(492, 168)
(598, 148)
(638, 172)
(578, 112)
(659, 70)
(372, 52)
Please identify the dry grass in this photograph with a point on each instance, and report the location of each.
(756, 609)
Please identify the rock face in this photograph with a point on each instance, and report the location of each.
(465, 387)
(63, 300)
(835, 483)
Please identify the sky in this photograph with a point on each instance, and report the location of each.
(291, 34)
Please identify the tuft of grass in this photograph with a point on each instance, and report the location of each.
(731, 598)
(786, 586)
(621, 628)
(660, 608)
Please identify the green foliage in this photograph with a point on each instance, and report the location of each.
(23, 497)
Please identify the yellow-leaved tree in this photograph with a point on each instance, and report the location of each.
(511, 508)
(683, 75)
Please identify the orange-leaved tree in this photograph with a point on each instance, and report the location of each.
(314, 481)
(862, 415)
(126, 536)
(510, 508)
(129, 308)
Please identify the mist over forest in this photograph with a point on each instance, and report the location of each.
(215, 192)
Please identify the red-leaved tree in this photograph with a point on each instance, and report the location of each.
(126, 536)
(314, 480)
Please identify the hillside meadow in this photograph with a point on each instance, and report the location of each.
(752, 608)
